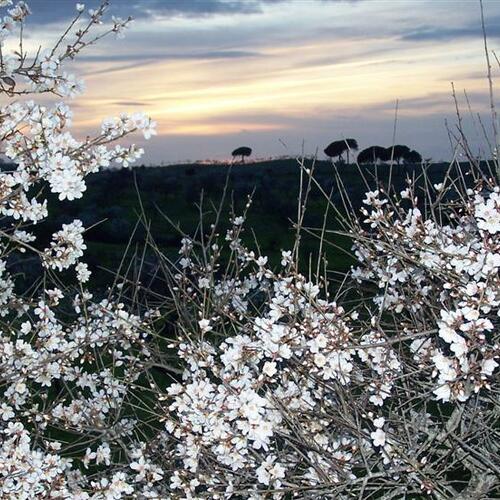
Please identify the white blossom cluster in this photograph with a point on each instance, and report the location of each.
(36, 139)
(282, 370)
(285, 392)
(453, 266)
(277, 384)
(70, 364)
(23, 73)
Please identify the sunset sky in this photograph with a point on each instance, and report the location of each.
(273, 75)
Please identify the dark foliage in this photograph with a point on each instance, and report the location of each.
(397, 152)
(412, 157)
(242, 151)
(372, 154)
(337, 148)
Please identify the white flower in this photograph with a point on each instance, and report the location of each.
(261, 261)
(119, 486)
(103, 454)
(405, 194)
(319, 360)
(270, 471)
(68, 184)
(443, 393)
(82, 272)
(378, 437)
(184, 262)
(488, 366)
(286, 257)
(67, 246)
(9, 64)
(204, 325)
(488, 214)
(204, 283)
(6, 412)
(269, 368)
(318, 343)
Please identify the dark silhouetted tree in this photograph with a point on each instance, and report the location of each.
(373, 154)
(412, 157)
(242, 151)
(385, 155)
(397, 152)
(337, 148)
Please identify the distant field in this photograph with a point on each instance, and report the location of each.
(175, 190)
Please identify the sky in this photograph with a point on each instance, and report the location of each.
(284, 76)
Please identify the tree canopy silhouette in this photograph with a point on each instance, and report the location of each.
(372, 154)
(242, 151)
(412, 157)
(397, 152)
(337, 148)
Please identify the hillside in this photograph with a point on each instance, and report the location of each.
(112, 205)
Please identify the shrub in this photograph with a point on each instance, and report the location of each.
(244, 381)
(291, 387)
(69, 363)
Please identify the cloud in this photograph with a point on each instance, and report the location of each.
(145, 59)
(192, 8)
(130, 103)
(218, 72)
(49, 11)
(442, 34)
(164, 56)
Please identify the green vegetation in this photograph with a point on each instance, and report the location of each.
(112, 205)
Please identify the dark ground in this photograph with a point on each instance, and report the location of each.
(113, 201)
